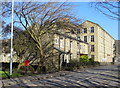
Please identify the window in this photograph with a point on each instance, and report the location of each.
(61, 43)
(92, 29)
(56, 41)
(78, 31)
(113, 45)
(78, 37)
(92, 56)
(85, 38)
(72, 32)
(92, 48)
(85, 30)
(92, 38)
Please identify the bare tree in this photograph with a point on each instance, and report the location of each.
(108, 8)
(42, 20)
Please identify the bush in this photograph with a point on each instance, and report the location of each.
(91, 61)
(96, 63)
(6, 65)
(74, 64)
(84, 60)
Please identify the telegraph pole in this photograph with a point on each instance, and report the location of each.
(11, 50)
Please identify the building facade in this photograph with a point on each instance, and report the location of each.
(71, 47)
(5, 56)
(90, 39)
(100, 43)
(117, 51)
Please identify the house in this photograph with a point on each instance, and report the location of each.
(90, 39)
(100, 43)
(117, 51)
(70, 47)
(5, 56)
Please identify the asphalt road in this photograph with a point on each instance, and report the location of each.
(103, 76)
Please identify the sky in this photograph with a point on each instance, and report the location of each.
(84, 11)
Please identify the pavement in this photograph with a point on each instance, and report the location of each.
(102, 77)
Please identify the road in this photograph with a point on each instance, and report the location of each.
(103, 76)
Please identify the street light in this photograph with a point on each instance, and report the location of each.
(11, 50)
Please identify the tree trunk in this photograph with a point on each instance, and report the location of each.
(20, 64)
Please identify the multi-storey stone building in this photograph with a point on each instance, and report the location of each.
(5, 56)
(117, 51)
(101, 44)
(71, 47)
(94, 41)
(90, 39)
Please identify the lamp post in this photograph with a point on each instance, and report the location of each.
(11, 50)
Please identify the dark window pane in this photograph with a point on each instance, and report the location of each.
(85, 38)
(78, 37)
(78, 31)
(92, 56)
(92, 29)
(72, 32)
(92, 48)
(92, 38)
(113, 45)
(85, 30)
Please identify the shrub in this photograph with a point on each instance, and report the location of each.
(6, 65)
(71, 66)
(96, 63)
(74, 63)
(91, 61)
(84, 59)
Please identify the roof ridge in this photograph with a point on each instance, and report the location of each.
(99, 26)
